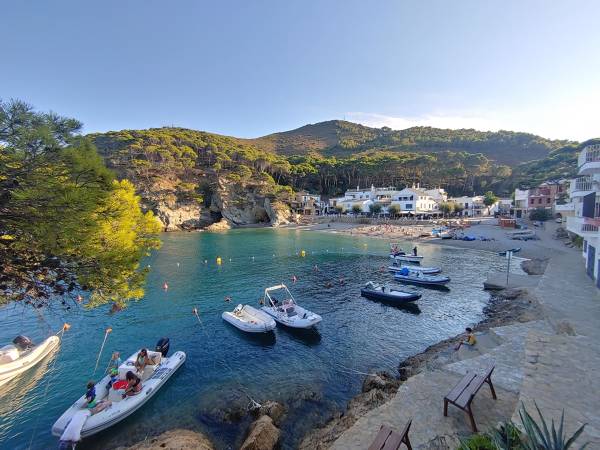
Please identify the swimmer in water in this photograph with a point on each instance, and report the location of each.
(165, 286)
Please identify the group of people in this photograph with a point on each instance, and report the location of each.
(133, 379)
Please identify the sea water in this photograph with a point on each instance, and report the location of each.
(312, 372)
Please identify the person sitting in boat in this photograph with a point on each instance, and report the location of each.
(142, 360)
(90, 395)
(134, 384)
(113, 368)
(469, 340)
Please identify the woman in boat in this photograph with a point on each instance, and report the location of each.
(90, 395)
(142, 360)
(134, 384)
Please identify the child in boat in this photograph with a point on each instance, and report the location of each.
(90, 395)
(134, 384)
(469, 340)
(113, 368)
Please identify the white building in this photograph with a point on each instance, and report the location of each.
(475, 206)
(585, 196)
(521, 203)
(417, 201)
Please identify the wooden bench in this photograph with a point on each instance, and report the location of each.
(388, 439)
(463, 393)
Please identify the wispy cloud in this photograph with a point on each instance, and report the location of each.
(575, 118)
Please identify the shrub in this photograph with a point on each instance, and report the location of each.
(540, 214)
(477, 442)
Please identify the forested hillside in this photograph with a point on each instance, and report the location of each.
(341, 139)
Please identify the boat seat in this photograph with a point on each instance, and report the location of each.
(129, 364)
(8, 353)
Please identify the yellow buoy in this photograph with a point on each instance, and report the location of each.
(302, 253)
(219, 260)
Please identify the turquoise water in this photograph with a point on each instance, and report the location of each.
(312, 372)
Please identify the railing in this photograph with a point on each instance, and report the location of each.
(590, 154)
(583, 185)
(588, 228)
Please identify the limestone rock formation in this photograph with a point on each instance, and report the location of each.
(263, 435)
(221, 225)
(279, 213)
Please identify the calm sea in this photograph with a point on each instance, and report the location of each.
(314, 372)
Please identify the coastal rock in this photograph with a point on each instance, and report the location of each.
(535, 266)
(239, 206)
(279, 213)
(263, 435)
(510, 293)
(179, 216)
(178, 439)
(380, 380)
(221, 225)
(273, 409)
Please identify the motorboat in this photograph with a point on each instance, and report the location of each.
(376, 291)
(397, 254)
(249, 319)
(395, 267)
(22, 355)
(280, 304)
(78, 422)
(412, 277)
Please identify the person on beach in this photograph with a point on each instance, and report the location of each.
(134, 384)
(469, 340)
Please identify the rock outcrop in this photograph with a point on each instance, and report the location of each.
(221, 225)
(279, 213)
(177, 439)
(263, 435)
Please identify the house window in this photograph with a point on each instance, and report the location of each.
(409, 206)
(548, 200)
(532, 201)
(539, 201)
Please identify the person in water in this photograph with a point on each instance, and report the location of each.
(142, 360)
(469, 340)
(134, 384)
(113, 368)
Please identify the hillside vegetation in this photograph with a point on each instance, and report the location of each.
(340, 138)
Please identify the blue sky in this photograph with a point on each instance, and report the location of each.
(248, 68)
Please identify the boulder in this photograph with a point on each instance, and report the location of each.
(381, 380)
(177, 439)
(272, 409)
(221, 225)
(279, 213)
(263, 435)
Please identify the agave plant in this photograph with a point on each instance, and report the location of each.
(506, 437)
(540, 438)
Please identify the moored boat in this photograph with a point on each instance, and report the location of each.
(78, 420)
(249, 319)
(395, 267)
(397, 254)
(412, 277)
(22, 355)
(280, 305)
(375, 291)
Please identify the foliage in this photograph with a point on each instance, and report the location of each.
(539, 437)
(339, 209)
(540, 214)
(458, 207)
(375, 208)
(64, 218)
(506, 437)
(356, 209)
(477, 442)
(447, 208)
(489, 198)
(394, 210)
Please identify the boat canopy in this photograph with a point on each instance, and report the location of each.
(273, 296)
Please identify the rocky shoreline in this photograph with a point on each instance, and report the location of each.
(505, 307)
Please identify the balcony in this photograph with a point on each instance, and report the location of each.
(581, 186)
(589, 160)
(584, 227)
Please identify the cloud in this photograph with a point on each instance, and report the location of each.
(574, 118)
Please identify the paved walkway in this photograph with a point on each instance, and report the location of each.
(555, 362)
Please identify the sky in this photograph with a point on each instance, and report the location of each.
(251, 67)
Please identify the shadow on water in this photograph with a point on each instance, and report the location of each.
(258, 339)
(310, 337)
(409, 307)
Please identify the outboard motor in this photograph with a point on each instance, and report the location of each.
(22, 342)
(162, 346)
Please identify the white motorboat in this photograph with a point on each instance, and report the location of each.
(249, 319)
(395, 267)
(280, 305)
(397, 254)
(22, 355)
(411, 277)
(153, 378)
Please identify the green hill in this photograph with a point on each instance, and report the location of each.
(341, 139)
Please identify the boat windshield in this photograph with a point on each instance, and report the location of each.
(279, 296)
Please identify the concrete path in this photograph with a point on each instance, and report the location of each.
(420, 398)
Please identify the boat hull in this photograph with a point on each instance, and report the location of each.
(421, 281)
(283, 319)
(8, 371)
(407, 258)
(389, 298)
(256, 321)
(124, 408)
(424, 270)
